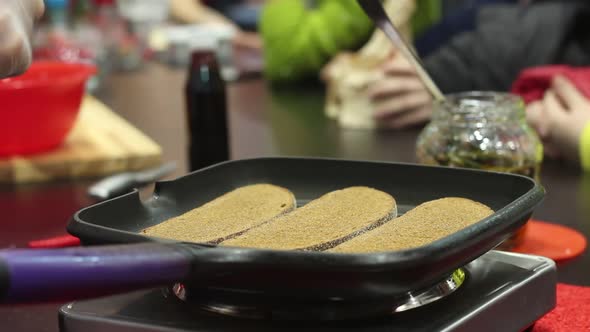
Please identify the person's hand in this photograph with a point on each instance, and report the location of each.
(248, 40)
(247, 52)
(560, 119)
(16, 26)
(401, 99)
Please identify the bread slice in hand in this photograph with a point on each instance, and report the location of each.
(324, 222)
(228, 215)
(424, 224)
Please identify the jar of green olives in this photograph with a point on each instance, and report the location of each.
(482, 130)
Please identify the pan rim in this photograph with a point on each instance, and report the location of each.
(517, 209)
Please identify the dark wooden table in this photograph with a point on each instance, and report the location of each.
(263, 122)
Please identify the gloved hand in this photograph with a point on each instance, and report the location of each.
(16, 26)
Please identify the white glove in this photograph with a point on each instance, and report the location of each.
(16, 26)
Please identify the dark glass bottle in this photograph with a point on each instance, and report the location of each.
(206, 111)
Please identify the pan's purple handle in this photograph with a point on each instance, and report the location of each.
(32, 276)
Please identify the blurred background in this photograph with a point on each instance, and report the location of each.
(153, 89)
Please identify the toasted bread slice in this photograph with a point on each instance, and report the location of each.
(424, 224)
(228, 215)
(324, 222)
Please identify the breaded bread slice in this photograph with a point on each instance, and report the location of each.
(424, 224)
(228, 215)
(323, 222)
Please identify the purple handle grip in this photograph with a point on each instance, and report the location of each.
(65, 274)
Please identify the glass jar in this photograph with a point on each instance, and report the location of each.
(482, 130)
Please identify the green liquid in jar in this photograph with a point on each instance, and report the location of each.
(488, 161)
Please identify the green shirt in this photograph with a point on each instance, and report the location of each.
(302, 36)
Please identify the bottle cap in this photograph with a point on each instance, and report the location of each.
(56, 4)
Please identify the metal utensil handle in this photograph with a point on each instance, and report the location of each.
(416, 62)
(32, 276)
(119, 184)
(376, 12)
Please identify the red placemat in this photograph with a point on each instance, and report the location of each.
(551, 240)
(572, 313)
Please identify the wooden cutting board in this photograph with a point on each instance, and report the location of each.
(101, 143)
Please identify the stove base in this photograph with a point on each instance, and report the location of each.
(503, 292)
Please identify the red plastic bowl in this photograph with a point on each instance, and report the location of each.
(38, 109)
